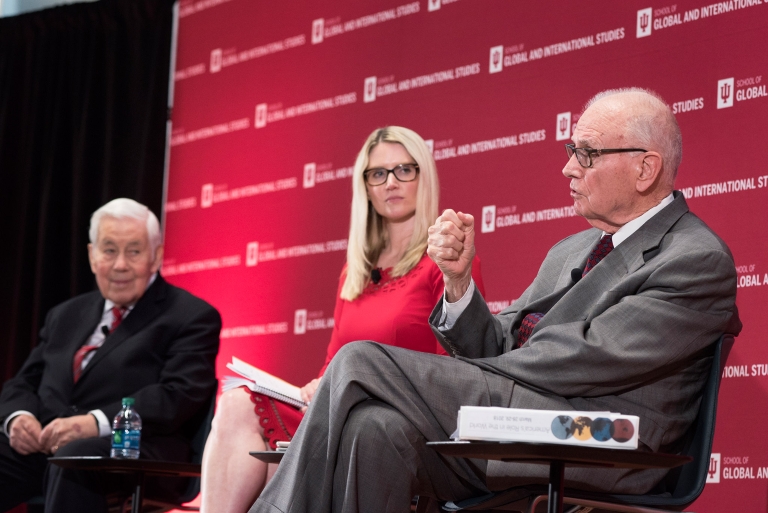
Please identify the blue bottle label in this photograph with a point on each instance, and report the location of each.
(126, 439)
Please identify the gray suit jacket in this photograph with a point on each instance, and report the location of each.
(633, 336)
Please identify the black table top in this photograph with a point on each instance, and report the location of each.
(571, 455)
(267, 456)
(149, 467)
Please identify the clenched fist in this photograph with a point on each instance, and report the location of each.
(451, 245)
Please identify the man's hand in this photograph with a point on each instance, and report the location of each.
(308, 392)
(62, 431)
(24, 434)
(451, 245)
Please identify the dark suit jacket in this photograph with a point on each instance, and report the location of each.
(634, 336)
(163, 355)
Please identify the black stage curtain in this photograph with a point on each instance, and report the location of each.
(83, 109)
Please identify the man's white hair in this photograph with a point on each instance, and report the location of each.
(122, 208)
(654, 128)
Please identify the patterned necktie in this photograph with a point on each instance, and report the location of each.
(604, 246)
(77, 362)
(526, 327)
(117, 316)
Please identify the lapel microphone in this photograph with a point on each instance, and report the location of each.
(576, 274)
(376, 276)
(105, 330)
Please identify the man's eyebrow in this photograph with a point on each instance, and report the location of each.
(583, 143)
(136, 242)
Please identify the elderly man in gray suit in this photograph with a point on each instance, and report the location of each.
(621, 317)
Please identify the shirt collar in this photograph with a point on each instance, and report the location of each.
(631, 227)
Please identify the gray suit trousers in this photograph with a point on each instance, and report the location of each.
(361, 446)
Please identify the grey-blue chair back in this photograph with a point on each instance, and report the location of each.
(680, 487)
(198, 444)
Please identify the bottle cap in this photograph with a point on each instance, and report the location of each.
(128, 401)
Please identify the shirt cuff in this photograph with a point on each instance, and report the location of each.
(452, 311)
(13, 416)
(105, 428)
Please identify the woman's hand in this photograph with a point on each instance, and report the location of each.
(308, 392)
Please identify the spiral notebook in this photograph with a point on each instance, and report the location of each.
(261, 382)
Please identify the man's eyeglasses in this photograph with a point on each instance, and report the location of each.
(586, 156)
(403, 172)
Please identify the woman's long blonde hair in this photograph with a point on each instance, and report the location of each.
(367, 233)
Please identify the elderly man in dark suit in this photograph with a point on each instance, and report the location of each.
(137, 336)
(621, 317)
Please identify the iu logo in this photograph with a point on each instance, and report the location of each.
(644, 22)
(300, 322)
(431, 145)
(369, 92)
(725, 93)
(261, 115)
(317, 31)
(489, 219)
(713, 472)
(252, 254)
(563, 128)
(309, 175)
(433, 5)
(497, 59)
(206, 196)
(216, 60)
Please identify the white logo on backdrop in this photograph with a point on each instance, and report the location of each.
(433, 5)
(563, 128)
(431, 145)
(252, 254)
(216, 60)
(725, 93)
(644, 19)
(206, 196)
(489, 219)
(300, 322)
(309, 175)
(261, 115)
(496, 59)
(713, 472)
(369, 93)
(317, 31)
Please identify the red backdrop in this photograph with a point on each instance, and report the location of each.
(274, 99)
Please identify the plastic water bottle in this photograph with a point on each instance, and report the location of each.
(126, 432)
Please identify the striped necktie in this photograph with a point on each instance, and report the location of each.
(77, 361)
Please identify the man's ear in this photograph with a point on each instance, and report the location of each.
(92, 257)
(158, 258)
(649, 172)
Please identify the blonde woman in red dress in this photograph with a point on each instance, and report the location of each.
(387, 290)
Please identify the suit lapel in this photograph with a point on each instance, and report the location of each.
(84, 326)
(577, 260)
(564, 283)
(644, 244)
(578, 301)
(145, 311)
